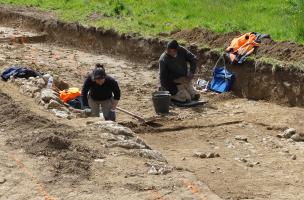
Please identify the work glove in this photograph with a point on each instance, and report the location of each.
(87, 111)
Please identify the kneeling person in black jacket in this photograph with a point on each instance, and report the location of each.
(101, 90)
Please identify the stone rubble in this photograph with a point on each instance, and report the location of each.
(293, 157)
(48, 94)
(241, 138)
(157, 168)
(60, 114)
(287, 133)
(35, 87)
(149, 154)
(206, 155)
(123, 137)
(246, 161)
(114, 128)
(292, 135)
(53, 105)
(298, 137)
(2, 180)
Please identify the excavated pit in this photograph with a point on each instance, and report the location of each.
(275, 81)
(259, 168)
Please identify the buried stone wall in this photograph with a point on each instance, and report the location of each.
(255, 79)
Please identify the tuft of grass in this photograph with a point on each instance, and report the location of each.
(277, 64)
(282, 19)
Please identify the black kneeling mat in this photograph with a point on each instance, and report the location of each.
(189, 104)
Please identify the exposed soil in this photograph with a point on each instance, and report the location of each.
(255, 79)
(42, 137)
(49, 158)
(283, 51)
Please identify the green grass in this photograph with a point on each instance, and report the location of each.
(282, 19)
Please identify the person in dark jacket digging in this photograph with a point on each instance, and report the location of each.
(175, 76)
(100, 90)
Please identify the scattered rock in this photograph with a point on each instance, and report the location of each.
(114, 128)
(2, 61)
(293, 157)
(41, 83)
(140, 141)
(53, 105)
(48, 94)
(165, 170)
(162, 169)
(206, 155)
(99, 160)
(286, 84)
(29, 89)
(127, 144)
(241, 138)
(241, 159)
(2, 180)
(285, 150)
(153, 171)
(200, 155)
(249, 165)
(297, 137)
(210, 155)
(60, 114)
(231, 146)
(150, 154)
(256, 163)
(287, 133)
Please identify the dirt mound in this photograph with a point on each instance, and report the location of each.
(203, 36)
(284, 51)
(42, 137)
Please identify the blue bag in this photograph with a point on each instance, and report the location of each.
(11, 71)
(222, 78)
(18, 72)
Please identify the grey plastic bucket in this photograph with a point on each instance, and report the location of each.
(161, 101)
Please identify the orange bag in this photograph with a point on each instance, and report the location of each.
(242, 46)
(70, 94)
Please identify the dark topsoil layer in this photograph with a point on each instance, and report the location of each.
(284, 51)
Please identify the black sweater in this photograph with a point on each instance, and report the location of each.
(173, 68)
(100, 92)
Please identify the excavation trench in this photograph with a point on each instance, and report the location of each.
(70, 52)
(274, 81)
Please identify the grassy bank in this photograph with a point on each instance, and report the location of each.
(283, 19)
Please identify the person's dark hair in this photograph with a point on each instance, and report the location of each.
(172, 44)
(98, 65)
(98, 72)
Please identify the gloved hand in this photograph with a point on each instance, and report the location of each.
(112, 115)
(87, 111)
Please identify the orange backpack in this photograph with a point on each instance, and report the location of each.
(242, 46)
(69, 94)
